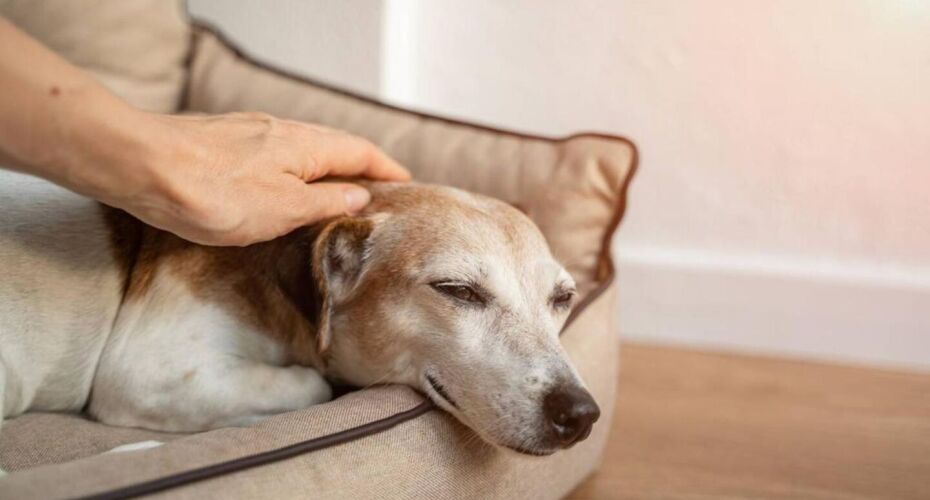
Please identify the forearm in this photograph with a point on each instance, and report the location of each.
(228, 180)
(58, 123)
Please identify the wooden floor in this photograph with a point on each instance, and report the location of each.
(698, 425)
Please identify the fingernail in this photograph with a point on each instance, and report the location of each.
(356, 198)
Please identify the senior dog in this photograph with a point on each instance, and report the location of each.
(450, 292)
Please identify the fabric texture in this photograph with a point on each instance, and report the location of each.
(136, 48)
(573, 188)
(432, 456)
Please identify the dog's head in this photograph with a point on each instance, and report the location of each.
(458, 295)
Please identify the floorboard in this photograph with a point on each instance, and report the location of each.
(703, 425)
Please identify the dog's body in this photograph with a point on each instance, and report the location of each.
(140, 328)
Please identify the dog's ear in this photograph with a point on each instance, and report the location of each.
(339, 257)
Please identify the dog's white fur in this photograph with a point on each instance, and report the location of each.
(65, 331)
(171, 359)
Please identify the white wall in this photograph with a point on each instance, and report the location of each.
(339, 40)
(782, 203)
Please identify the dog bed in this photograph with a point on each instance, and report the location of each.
(380, 442)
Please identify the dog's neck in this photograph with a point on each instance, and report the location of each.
(278, 289)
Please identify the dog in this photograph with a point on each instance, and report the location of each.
(452, 293)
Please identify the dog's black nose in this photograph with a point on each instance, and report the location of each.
(570, 411)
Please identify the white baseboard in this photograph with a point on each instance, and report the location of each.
(823, 311)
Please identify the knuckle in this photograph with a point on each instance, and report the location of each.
(263, 123)
(258, 116)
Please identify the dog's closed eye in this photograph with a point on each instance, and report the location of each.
(462, 292)
(562, 299)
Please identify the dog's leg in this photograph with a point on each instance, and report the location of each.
(217, 391)
(177, 363)
(254, 391)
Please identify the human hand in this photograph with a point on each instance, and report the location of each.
(230, 179)
(241, 178)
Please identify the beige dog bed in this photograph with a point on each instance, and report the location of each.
(382, 442)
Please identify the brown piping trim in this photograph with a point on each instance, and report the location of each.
(606, 268)
(606, 261)
(259, 459)
(206, 26)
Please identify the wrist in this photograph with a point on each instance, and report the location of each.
(105, 150)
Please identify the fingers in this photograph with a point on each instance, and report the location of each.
(346, 155)
(383, 167)
(322, 200)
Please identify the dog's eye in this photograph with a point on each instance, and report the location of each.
(458, 291)
(563, 300)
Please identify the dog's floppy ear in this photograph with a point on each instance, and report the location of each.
(339, 257)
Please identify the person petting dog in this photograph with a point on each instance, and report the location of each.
(231, 179)
(242, 288)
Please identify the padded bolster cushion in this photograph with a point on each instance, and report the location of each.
(429, 456)
(573, 188)
(570, 187)
(136, 48)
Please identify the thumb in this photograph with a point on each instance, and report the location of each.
(329, 199)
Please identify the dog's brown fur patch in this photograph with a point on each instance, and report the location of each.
(268, 285)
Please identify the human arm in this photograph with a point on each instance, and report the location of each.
(229, 179)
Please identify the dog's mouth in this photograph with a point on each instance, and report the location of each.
(440, 390)
(530, 451)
